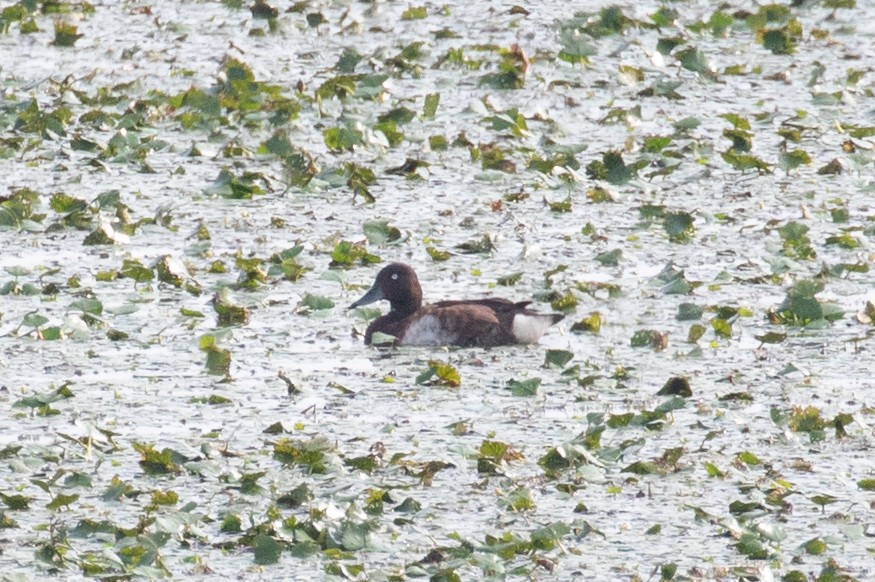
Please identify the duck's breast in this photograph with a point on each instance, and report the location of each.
(429, 329)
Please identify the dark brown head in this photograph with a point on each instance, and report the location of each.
(397, 284)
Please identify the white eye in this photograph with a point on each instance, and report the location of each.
(394, 276)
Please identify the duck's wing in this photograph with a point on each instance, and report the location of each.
(496, 321)
(460, 323)
(496, 304)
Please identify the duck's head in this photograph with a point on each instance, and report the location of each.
(396, 283)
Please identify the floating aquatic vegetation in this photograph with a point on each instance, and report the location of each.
(318, 134)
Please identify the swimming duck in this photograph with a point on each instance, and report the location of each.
(474, 322)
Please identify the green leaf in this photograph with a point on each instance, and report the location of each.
(399, 115)
(355, 536)
(379, 232)
(779, 41)
(642, 468)
(689, 311)
(546, 538)
(676, 386)
(15, 502)
(66, 34)
(793, 159)
(576, 48)
(339, 139)
(63, 204)
(218, 359)
(558, 358)
(429, 109)
(60, 500)
(481, 245)
(649, 338)
(721, 327)
(670, 405)
(315, 302)
(610, 258)
(34, 319)
(347, 254)
(591, 323)
(614, 169)
(695, 60)
(236, 187)
(509, 280)
(17, 271)
(749, 545)
(679, 226)
(409, 505)
(720, 23)
(745, 162)
(390, 130)
(78, 479)
(714, 471)
(772, 337)
(348, 60)
(524, 388)
(266, 550)
(359, 178)
(815, 547)
(737, 121)
(414, 13)
(443, 372)
(748, 458)
(134, 269)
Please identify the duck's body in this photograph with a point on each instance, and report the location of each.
(475, 322)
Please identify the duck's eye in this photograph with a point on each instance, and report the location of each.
(394, 276)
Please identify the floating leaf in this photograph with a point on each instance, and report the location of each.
(558, 358)
(15, 502)
(676, 386)
(347, 254)
(311, 302)
(614, 169)
(745, 162)
(481, 245)
(218, 359)
(793, 159)
(66, 34)
(689, 311)
(779, 41)
(266, 550)
(610, 258)
(61, 500)
(679, 226)
(441, 374)
(524, 388)
(649, 338)
(695, 60)
(380, 232)
(339, 139)
(34, 319)
(772, 337)
(414, 13)
(432, 100)
(591, 323)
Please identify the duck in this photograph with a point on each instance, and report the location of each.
(466, 323)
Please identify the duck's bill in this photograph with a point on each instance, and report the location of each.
(372, 296)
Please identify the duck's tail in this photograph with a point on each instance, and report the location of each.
(529, 327)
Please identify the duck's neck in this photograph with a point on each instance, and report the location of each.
(401, 308)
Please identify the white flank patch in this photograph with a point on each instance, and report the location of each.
(528, 329)
(427, 331)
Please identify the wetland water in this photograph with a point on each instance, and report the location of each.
(699, 177)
